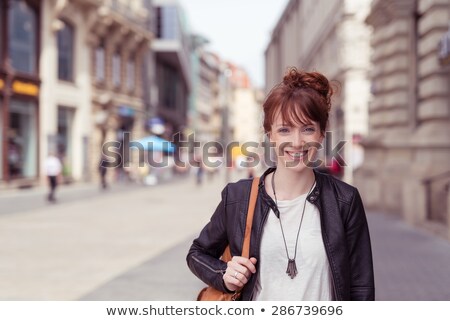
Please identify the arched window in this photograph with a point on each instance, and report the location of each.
(100, 62)
(22, 29)
(116, 69)
(65, 39)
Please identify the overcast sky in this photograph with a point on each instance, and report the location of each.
(239, 30)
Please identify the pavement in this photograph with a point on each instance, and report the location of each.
(130, 243)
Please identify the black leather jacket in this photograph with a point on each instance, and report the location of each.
(344, 231)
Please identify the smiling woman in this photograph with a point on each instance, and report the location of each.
(310, 239)
(296, 116)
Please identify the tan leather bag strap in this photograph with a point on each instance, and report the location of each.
(250, 213)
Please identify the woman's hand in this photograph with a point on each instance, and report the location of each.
(238, 272)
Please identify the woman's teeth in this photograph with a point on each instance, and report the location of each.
(298, 154)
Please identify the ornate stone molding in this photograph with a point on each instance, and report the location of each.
(385, 11)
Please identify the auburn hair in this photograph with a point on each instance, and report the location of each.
(300, 97)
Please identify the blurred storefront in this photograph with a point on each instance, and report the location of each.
(19, 91)
(406, 169)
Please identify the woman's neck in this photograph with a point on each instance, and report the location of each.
(290, 184)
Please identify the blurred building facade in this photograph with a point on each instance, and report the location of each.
(20, 86)
(70, 79)
(246, 107)
(65, 96)
(171, 53)
(119, 40)
(207, 98)
(226, 107)
(331, 38)
(406, 169)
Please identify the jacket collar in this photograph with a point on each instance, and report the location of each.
(312, 197)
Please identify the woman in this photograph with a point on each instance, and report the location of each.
(310, 239)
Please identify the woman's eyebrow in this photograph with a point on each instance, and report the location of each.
(300, 125)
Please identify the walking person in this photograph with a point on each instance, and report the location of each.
(200, 172)
(309, 238)
(102, 168)
(53, 168)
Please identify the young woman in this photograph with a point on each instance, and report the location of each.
(310, 239)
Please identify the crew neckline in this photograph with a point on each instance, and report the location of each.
(297, 199)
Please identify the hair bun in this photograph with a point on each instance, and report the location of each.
(309, 80)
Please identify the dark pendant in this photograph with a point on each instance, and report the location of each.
(291, 269)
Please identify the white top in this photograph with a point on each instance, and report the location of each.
(53, 166)
(313, 281)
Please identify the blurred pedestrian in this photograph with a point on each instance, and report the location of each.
(310, 239)
(200, 172)
(102, 168)
(53, 168)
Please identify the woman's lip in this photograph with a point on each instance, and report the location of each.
(302, 154)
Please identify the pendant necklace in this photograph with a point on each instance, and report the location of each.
(291, 270)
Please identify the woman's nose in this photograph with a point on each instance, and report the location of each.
(297, 140)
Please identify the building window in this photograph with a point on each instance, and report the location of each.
(22, 28)
(100, 62)
(65, 38)
(131, 73)
(116, 69)
(167, 22)
(64, 138)
(22, 140)
(169, 86)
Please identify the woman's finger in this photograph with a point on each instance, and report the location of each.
(236, 267)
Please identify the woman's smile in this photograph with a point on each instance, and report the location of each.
(296, 155)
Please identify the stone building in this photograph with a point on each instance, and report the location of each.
(119, 40)
(329, 37)
(65, 97)
(406, 168)
(70, 79)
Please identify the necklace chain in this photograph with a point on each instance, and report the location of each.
(292, 268)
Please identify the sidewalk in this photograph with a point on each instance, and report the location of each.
(67, 250)
(409, 265)
(132, 246)
(21, 200)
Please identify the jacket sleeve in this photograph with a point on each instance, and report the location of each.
(362, 286)
(203, 256)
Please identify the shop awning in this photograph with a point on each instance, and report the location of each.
(156, 143)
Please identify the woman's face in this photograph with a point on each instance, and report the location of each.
(296, 146)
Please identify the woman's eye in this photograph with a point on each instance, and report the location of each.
(310, 129)
(283, 130)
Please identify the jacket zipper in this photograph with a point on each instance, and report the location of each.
(208, 267)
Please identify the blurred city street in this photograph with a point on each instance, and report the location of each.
(103, 101)
(130, 243)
